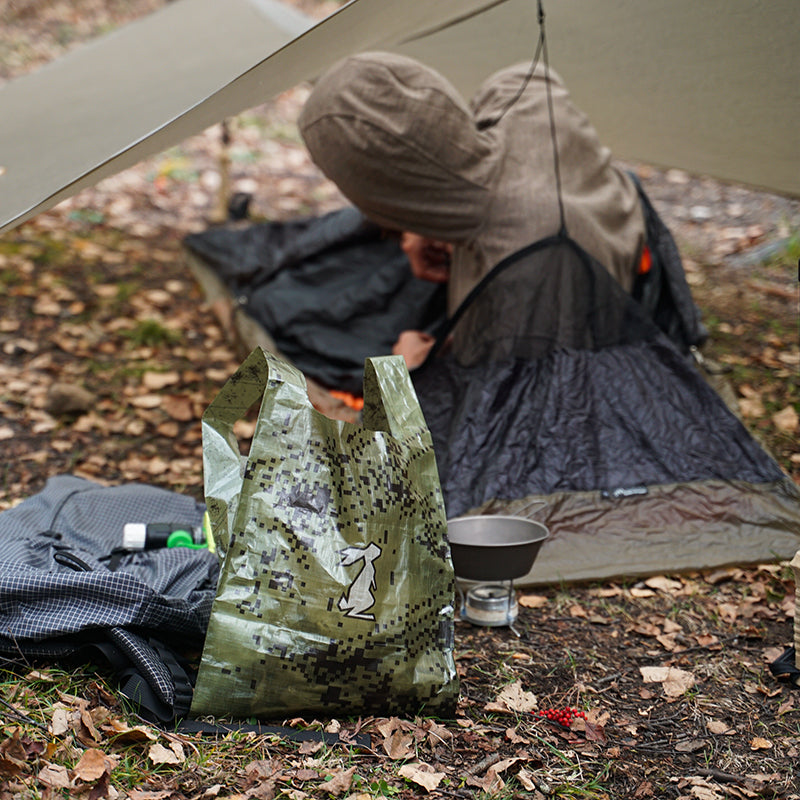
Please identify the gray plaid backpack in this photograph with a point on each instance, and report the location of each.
(68, 589)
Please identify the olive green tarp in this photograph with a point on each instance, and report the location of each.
(711, 87)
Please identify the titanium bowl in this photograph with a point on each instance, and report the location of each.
(494, 547)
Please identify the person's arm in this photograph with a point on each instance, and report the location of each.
(430, 261)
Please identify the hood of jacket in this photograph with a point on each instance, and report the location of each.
(402, 145)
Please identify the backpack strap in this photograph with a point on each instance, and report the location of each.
(151, 675)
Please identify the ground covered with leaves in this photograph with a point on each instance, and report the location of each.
(669, 673)
(110, 354)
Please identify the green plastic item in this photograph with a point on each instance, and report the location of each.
(336, 590)
(185, 539)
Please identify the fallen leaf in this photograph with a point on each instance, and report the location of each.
(728, 612)
(55, 776)
(664, 584)
(514, 698)
(179, 408)
(309, 747)
(578, 611)
(673, 680)
(705, 793)
(769, 654)
(92, 766)
(760, 744)
(597, 717)
(123, 734)
(158, 297)
(491, 782)
(532, 601)
(159, 380)
(527, 780)
(720, 575)
(752, 407)
(339, 783)
(669, 642)
(147, 401)
(690, 746)
(707, 640)
(786, 420)
(59, 725)
(290, 794)
(173, 754)
(719, 727)
(423, 775)
(398, 745)
(593, 732)
(46, 307)
(88, 729)
(436, 734)
(514, 737)
(605, 592)
(260, 770)
(646, 629)
(786, 706)
(387, 726)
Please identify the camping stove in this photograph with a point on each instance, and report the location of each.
(490, 604)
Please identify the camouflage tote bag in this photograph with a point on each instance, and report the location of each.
(336, 586)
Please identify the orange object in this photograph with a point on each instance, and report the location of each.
(350, 400)
(647, 261)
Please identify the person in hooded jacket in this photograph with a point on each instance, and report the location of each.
(471, 184)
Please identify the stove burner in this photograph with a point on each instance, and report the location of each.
(491, 605)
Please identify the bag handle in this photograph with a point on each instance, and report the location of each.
(390, 402)
(390, 406)
(223, 465)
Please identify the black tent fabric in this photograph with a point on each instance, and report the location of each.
(331, 290)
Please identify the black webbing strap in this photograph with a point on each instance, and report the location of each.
(784, 668)
(135, 688)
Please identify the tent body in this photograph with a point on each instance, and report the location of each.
(711, 87)
(575, 398)
(579, 401)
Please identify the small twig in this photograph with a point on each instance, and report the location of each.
(719, 775)
(20, 716)
(483, 764)
(607, 679)
(774, 290)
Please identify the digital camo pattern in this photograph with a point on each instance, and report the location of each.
(336, 588)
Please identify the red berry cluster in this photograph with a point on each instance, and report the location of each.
(561, 715)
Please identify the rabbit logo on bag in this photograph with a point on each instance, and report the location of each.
(359, 597)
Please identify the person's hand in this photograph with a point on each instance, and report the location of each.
(430, 259)
(414, 346)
